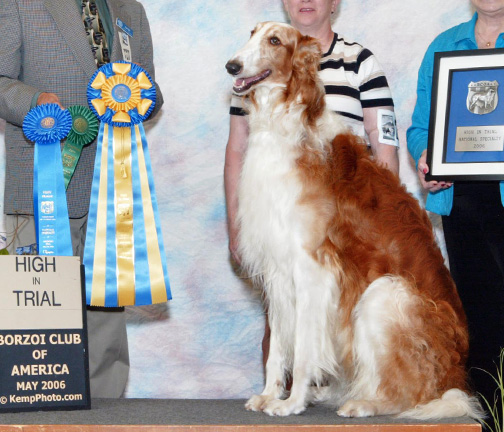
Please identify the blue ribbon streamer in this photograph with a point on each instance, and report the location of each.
(92, 218)
(150, 176)
(53, 225)
(141, 259)
(111, 299)
(46, 125)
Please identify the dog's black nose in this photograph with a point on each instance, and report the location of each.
(233, 68)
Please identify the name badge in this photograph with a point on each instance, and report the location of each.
(124, 27)
(125, 46)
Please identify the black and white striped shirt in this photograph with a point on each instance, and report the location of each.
(353, 80)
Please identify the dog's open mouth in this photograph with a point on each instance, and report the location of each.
(242, 84)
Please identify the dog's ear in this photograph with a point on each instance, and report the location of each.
(304, 85)
(307, 55)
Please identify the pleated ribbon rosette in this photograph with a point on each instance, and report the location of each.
(124, 256)
(47, 125)
(83, 132)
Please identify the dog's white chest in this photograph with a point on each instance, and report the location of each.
(268, 199)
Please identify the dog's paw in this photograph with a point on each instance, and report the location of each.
(283, 408)
(354, 408)
(257, 402)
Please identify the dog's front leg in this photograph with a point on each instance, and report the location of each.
(313, 287)
(295, 403)
(275, 373)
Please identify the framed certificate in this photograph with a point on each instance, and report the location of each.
(466, 130)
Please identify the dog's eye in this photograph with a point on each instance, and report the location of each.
(252, 33)
(274, 40)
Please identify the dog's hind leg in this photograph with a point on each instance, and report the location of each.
(406, 355)
(313, 349)
(382, 309)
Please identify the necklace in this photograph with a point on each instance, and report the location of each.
(483, 42)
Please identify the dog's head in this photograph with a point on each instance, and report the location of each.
(274, 53)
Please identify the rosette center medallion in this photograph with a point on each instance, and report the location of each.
(47, 123)
(121, 93)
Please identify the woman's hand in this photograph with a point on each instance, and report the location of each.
(423, 168)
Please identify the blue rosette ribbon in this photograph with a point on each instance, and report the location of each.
(46, 125)
(124, 256)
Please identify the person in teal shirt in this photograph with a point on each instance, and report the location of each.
(472, 212)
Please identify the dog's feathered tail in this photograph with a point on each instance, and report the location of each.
(453, 403)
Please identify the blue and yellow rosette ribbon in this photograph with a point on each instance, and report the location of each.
(47, 125)
(124, 257)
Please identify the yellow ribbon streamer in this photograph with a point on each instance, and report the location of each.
(124, 216)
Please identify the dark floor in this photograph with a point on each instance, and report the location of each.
(190, 412)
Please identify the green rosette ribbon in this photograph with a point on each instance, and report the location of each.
(84, 130)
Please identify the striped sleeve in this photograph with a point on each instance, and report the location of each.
(374, 88)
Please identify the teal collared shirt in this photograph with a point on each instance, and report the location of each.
(460, 37)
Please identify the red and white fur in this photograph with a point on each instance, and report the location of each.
(362, 310)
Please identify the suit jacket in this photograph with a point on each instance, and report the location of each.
(44, 48)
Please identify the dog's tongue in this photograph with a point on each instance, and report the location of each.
(242, 84)
(246, 81)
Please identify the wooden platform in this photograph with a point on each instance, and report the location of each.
(161, 415)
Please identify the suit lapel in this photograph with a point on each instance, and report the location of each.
(66, 14)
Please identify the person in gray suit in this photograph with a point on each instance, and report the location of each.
(47, 55)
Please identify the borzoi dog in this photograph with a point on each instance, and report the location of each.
(362, 310)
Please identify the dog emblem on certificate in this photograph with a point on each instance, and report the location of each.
(482, 97)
